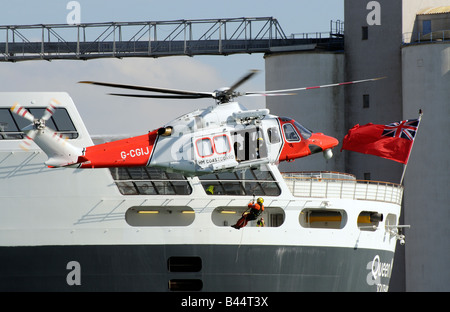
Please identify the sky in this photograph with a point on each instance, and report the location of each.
(105, 114)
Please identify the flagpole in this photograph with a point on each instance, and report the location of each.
(405, 165)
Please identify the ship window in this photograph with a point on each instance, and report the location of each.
(391, 219)
(258, 182)
(322, 218)
(369, 220)
(159, 216)
(365, 32)
(229, 215)
(127, 188)
(10, 124)
(146, 188)
(426, 27)
(149, 181)
(366, 100)
(204, 147)
(8, 127)
(184, 264)
(290, 133)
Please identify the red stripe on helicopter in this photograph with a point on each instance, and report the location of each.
(130, 152)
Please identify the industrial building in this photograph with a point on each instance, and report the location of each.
(408, 42)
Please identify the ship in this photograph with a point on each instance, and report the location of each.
(154, 230)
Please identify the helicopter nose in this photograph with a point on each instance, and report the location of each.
(318, 142)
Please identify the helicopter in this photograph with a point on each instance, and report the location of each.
(222, 137)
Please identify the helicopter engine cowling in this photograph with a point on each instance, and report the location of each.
(165, 131)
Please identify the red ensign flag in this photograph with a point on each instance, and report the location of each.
(393, 141)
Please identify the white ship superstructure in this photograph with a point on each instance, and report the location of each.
(147, 229)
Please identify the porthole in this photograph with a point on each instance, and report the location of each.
(369, 220)
(229, 215)
(323, 218)
(184, 264)
(159, 216)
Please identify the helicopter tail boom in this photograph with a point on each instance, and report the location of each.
(130, 152)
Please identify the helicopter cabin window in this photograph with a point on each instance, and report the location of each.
(11, 124)
(222, 144)
(274, 135)
(290, 133)
(204, 147)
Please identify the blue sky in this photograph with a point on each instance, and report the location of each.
(105, 114)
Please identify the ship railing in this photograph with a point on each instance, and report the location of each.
(341, 185)
(432, 36)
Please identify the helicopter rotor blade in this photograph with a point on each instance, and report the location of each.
(242, 80)
(315, 87)
(29, 130)
(155, 96)
(150, 89)
(29, 137)
(224, 95)
(21, 111)
(267, 94)
(50, 110)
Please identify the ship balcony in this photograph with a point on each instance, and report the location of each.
(327, 184)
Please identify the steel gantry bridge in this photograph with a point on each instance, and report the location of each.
(157, 38)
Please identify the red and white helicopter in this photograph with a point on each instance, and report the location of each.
(222, 137)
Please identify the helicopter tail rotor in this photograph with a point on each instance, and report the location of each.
(55, 145)
(21, 111)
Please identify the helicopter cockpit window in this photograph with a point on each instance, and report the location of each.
(274, 135)
(290, 133)
(204, 147)
(303, 131)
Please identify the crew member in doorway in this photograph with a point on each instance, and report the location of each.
(261, 223)
(210, 190)
(255, 211)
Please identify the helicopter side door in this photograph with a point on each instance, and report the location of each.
(214, 151)
(249, 144)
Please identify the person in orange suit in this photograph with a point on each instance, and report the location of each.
(255, 210)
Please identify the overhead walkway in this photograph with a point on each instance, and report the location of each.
(157, 39)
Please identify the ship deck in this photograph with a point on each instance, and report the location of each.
(327, 184)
